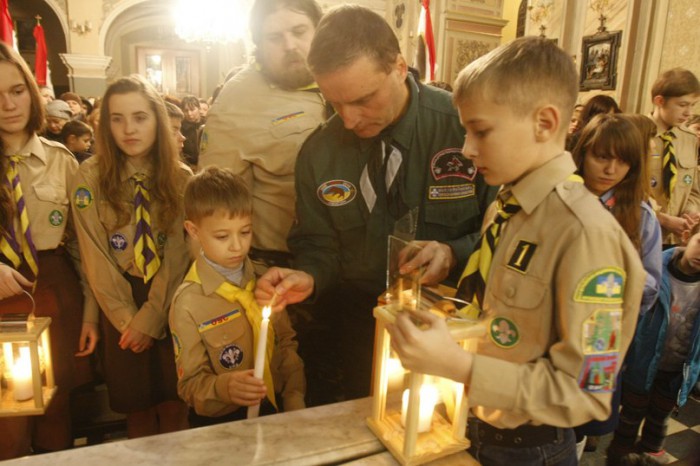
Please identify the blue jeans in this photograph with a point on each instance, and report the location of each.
(559, 453)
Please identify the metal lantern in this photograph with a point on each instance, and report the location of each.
(27, 370)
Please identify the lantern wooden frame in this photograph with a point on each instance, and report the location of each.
(407, 445)
(33, 333)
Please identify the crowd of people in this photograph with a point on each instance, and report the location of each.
(572, 231)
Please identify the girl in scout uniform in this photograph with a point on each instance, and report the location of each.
(128, 211)
(36, 249)
(611, 157)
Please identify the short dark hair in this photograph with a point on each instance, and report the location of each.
(75, 128)
(214, 189)
(675, 82)
(189, 101)
(263, 8)
(596, 105)
(349, 32)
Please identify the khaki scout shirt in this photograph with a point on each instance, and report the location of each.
(562, 298)
(46, 172)
(256, 130)
(213, 339)
(108, 251)
(686, 195)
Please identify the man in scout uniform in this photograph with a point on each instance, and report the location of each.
(557, 278)
(391, 155)
(675, 184)
(262, 117)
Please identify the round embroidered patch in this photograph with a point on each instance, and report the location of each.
(56, 218)
(452, 163)
(503, 332)
(83, 197)
(335, 193)
(654, 182)
(687, 179)
(177, 346)
(231, 356)
(162, 238)
(118, 242)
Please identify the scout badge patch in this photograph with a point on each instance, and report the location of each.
(600, 333)
(336, 193)
(451, 163)
(503, 332)
(231, 356)
(56, 218)
(83, 197)
(598, 373)
(604, 286)
(118, 242)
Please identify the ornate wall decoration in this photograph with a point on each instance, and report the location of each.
(470, 50)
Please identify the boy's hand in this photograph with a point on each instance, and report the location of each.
(11, 282)
(135, 341)
(430, 350)
(437, 258)
(677, 225)
(245, 389)
(88, 339)
(291, 286)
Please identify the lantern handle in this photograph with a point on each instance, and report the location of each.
(31, 297)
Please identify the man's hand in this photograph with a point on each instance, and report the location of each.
(429, 350)
(11, 282)
(437, 258)
(135, 341)
(88, 339)
(290, 287)
(245, 389)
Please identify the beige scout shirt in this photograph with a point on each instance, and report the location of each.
(563, 294)
(207, 329)
(256, 129)
(46, 173)
(108, 252)
(686, 195)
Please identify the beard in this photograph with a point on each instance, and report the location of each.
(291, 74)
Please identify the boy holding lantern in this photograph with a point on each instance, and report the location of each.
(214, 318)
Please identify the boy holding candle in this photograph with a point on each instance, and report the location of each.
(215, 320)
(557, 278)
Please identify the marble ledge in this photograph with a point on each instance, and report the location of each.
(326, 434)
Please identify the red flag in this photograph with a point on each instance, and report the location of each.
(40, 62)
(426, 31)
(6, 29)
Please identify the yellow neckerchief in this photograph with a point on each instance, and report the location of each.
(253, 313)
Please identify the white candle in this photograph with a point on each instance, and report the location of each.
(22, 385)
(428, 399)
(260, 351)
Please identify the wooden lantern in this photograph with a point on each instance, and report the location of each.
(428, 434)
(27, 371)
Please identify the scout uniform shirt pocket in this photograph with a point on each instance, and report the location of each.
(515, 316)
(227, 337)
(351, 228)
(48, 213)
(447, 220)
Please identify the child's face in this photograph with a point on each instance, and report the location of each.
(132, 123)
(602, 172)
(500, 143)
(75, 107)
(16, 103)
(55, 125)
(79, 143)
(674, 111)
(192, 113)
(176, 129)
(225, 240)
(690, 262)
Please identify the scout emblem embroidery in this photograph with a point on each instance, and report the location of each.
(604, 286)
(118, 242)
(455, 191)
(83, 197)
(56, 218)
(177, 346)
(503, 332)
(522, 256)
(654, 182)
(335, 193)
(600, 333)
(231, 356)
(598, 373)
(687, 179)
(452, 163)
(162, 238)
(219, 320)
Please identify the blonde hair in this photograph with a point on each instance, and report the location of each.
(168, 176)
(214, 189)
(524, 74)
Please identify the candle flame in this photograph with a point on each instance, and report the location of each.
(266, 311)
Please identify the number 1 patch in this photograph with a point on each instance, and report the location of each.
(522, 256)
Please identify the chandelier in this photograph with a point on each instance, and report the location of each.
(211, 21)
